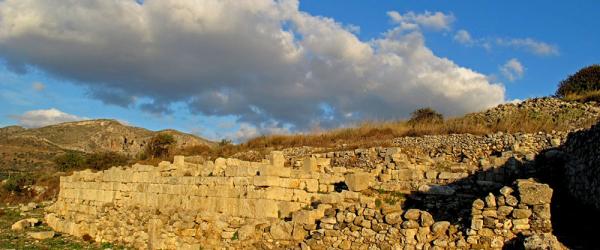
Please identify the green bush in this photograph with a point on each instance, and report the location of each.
(16, 182)
(105, 160)
(160, 146)
(97, 161)
(70, 160)
(586, 80)
(425, 115)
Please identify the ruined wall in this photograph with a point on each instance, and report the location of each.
(228, 202)
(582, 169)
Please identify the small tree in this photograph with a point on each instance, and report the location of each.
(160, 145)
(585, 81)
(425, 115)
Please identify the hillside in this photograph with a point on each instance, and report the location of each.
(27, 148)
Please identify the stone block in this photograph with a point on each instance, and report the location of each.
(266, 209)
(278, 193)
(281, 231)
(268, 170)
(533, 193)
(452, 176)
(179, 161)
(310, 165)
(266, 181)
(358, 181)
(521, 213)
(286, 208)
(42, 235)
(324, 162)
(277, 159)
(312, 185)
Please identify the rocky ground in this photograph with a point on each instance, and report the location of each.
(22, 227)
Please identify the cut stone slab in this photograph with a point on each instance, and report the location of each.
(358, 181)
(41, 235)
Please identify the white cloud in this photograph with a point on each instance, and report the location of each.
(262, 61)
(429, 20)
(527, 44)
(248, 131)
(38, 86)
(45, 117)
(463, 37)
(530, 45)
(512, 69)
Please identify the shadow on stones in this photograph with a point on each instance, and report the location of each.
(573, 223)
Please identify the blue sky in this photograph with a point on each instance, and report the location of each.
(525, 46)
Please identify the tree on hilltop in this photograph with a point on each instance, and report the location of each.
(583, 85)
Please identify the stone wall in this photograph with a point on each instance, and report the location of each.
(228, 202)
(582, 169)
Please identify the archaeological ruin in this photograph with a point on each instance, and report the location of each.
(431, 192)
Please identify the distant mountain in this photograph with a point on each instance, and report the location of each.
(20, 146)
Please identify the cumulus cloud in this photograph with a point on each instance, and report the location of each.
(512, 69)
(262, 61)
(38, 86)
(45, 117)
(463, 37)
(429, 20)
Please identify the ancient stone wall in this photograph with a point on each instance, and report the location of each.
(228, 202)
(582, 169)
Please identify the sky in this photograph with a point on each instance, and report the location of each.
(239, 69)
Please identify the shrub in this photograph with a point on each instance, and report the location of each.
(69, 161)
(15, 183)
(160, 146)
(586, 80)
(105, 160)
(425, 115)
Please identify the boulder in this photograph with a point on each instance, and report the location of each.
(412, 214)
(426, 219)
(24, 223)
(440, 227)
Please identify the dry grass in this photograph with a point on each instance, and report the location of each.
(585, 97)
(381, 133)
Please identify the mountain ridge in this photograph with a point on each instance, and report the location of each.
(21, 146)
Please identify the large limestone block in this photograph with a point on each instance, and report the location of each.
(277, 159)
(533, 193)
(266, 208)
(303, 217)
(310, 165)
(312, 185)
(358, 181)
(301, 196)
(269, 170)
(286, 208)
(278, 193)
(281, 231)
(179, 161)
(267, 181)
